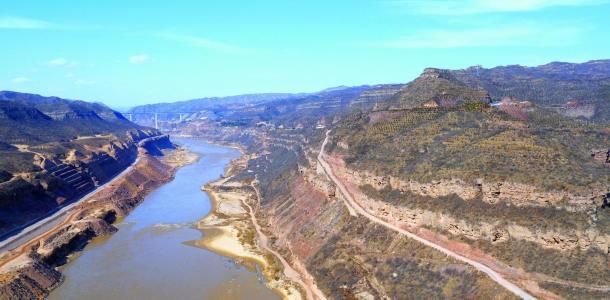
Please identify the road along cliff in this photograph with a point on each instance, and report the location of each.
(28, 271)
(354, 206)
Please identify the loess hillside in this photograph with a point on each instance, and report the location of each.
(478, 141)
(53, 150)
(508, 166)
(575, 90)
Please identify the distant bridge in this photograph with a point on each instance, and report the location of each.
(130, 115)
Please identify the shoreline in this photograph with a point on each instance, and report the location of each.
(228, 231)
(30, 270)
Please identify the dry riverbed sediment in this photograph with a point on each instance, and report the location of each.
(229, 230)
(29, 271)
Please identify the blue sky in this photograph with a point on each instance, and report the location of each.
(126, 53)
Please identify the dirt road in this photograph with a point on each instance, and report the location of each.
(311, 291)
(354, 206)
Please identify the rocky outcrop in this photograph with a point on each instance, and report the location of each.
(496, 232)
(496, 194)
(54, 249)
(30, 280)
(517, 194)
(27, 197)
(32, 274)
(154, 145)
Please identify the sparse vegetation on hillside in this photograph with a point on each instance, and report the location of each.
(440, 126)
(477, 141)
(554, 85)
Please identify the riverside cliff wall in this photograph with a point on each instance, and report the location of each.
(25, 198)
(28, 272)
(348, 256)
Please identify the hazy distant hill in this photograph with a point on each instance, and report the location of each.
(32, 119)
(576, 90)
(209, 103)
(252, 108)
(59, 109)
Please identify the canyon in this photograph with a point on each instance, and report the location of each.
(451, 186)
(434, 168)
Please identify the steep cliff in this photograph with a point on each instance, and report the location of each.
(28, 272)
(453, 162)
(54, 150)
(65, 172)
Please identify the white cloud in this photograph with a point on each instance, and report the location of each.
(199, 42)
(19, 80)
(58, 62)
(531, 35)
(139, 59)
(83, 82)
(466, 7)
(23, 23)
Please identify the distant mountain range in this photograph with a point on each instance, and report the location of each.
(32, 119)
(59, 108)
(575, 90)
(209, 103)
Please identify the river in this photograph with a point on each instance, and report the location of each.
(149, 258)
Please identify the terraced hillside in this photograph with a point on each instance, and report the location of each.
(521, 183)
(575, 90)
(53, 150)
(504, 180)
(435, 88)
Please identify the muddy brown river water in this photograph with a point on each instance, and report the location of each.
(149, 257)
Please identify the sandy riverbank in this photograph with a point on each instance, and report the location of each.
(228, 230)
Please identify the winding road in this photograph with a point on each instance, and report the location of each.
(354, 206)
(311, 291)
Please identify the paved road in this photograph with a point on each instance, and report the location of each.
(356, 207)
(43, 224)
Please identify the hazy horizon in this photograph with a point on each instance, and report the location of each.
(124, 108)
(128, 54)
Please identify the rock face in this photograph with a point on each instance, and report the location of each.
(24, 198)
(33, 280)
(155, 144)
(33, 274)
(54, 249)
(347, 256)
(517, 194)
